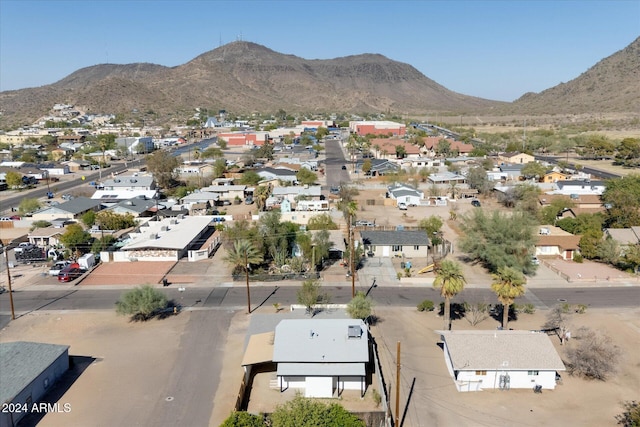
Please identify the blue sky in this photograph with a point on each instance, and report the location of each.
(492, 49)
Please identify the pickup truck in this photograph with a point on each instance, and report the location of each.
(24, 246)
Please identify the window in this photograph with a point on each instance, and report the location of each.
(416, 248)
(396, 248)
(533, 372)
(481, 372)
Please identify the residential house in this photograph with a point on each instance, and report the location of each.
(321, 357)
(136, 144)
(77, 165)
(516, 158)
(122, 187)
(72, 209)
(71, 139)
(29, 371)
(244, 138)
(455, 147)
(624, 236)
(386, 148)
(379, 167)
(280, 174)
(555, 242)
(194, 170)
(403, 193)
(447, 178)
(298, 192)
(421, 162)
(512, 171)
(554, 176)
(570, 187)
(45, 237)
(223, 192)
(500, 359)
(136, 206)
(398, 242)
(167, 240)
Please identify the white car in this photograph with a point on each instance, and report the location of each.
(57, 267)
(402, 206)
(535, 260)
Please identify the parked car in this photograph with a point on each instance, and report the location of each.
(69, 273)
(364, 223)
(535, 260)
(344, 167)
(58, 267)
(335, 190)
(402, 206)
(248, 200)
(475, 203)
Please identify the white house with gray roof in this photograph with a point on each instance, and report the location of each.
(28, 370)
(411, 243)
(72, 209)
(321, 357)
(498, 359)
(406, 194)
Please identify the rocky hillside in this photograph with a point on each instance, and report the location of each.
(612, 85)
(245, 77)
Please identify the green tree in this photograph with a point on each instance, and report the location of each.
(13, 179)
(450, 280)
(443, 148)
(508, 284)
(106, 142)
(28, 206)
(533, 170)
(632, 257)
(477, 178)
(609, 251)
(628, 153)
(322, 222)
(75, 237)
(360, 306)
(88, 218)
(366, 167)
(219, 167)
(212, 153)
(549, 214)
(303, 412)
(499, 239)
(250, 177)
(622, 196)
(110, 220)
(309, 294)
(163, 167)
(242, 256)
(306, 177)
(432, 226)
(401, 152)
(141, 303)
(243, 419)
(40, 224)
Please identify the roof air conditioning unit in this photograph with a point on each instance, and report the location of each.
(153, 236)
(355, 331)
(173, 222)
(164, 228)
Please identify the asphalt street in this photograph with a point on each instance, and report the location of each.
(195, 298)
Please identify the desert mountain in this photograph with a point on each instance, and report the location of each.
(613, 84)
(246, 77)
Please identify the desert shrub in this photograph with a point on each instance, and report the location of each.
(631, 415)
(581, 308)
(475, 313)
(141, 303)
(529, 308)
(376, 397)
(594, 356)
(565, 307)
(426, 305)
(243, 419)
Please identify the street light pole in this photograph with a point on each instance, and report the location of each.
(246, 270)
(6, 258)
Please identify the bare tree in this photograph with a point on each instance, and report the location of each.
(476, 312)
(594, 356)
(558, 319)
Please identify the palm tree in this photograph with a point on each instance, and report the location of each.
(450, 280)
(241, 256)
(508, 284)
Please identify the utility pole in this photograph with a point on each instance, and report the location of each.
(6, 258)
(397, 385)
(351, 258)
(246, 270)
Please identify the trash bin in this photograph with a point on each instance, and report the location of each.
(402, 265)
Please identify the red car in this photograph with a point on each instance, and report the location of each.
(70, 273)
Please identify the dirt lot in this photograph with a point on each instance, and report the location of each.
(435, 400)
(128, 379)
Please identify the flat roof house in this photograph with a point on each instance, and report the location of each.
(389, 243)
(499, 359)
(321, 357)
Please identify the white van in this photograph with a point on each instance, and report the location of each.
(87, 261)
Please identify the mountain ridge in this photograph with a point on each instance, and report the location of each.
(246, 77)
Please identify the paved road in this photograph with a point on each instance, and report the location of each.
(587, 169)
(333, 164)
(63, 186)
(265, 295)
